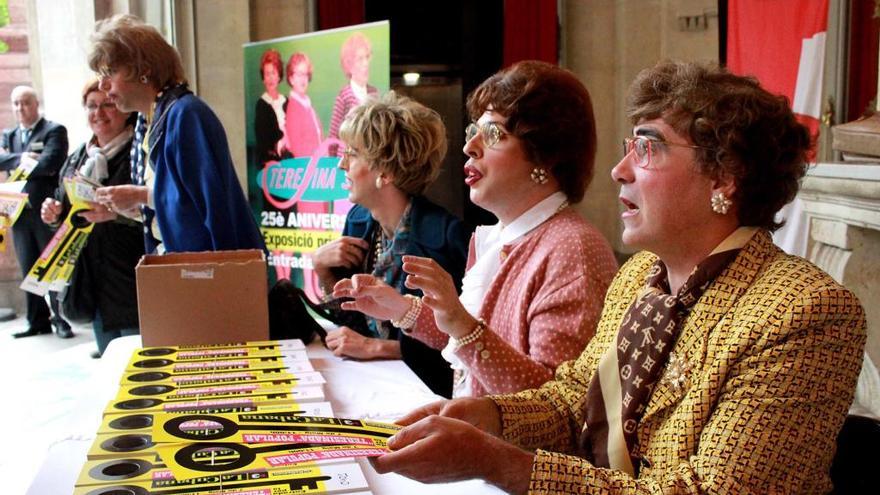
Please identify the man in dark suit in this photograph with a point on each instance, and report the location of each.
(40, 146)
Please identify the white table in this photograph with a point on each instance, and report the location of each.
(380, 390)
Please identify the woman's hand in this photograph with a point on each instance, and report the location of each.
(439, 294)
(280, 146)
(372, 297)
(122, 198)
(346, 342)
(345, 252)
(50, 211)
(99, 213)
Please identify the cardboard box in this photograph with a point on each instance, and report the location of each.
(203, 298)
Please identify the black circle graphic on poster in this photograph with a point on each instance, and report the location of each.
(119, 469)
(127, 443)
(153, 363)
(132, 422)
(152, 390)
(156, 351)
(149, 376)
(133, 404)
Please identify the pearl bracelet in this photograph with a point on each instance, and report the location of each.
(412, 314)
(473, 336)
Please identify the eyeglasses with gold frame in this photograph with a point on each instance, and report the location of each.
(491, 132)
(644, 148)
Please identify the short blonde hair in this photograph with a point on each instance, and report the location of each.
(399, 137)
(125, 42)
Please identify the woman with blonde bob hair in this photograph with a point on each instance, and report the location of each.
(395, 149)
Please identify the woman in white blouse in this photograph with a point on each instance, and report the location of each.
(536, 280)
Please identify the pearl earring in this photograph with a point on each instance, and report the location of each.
(720, 203)
(539, 176)
(379, 182)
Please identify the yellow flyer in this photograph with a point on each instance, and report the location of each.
(275, 427)
(142, 474)
(195, 460)
(54, 267)
(12, 202)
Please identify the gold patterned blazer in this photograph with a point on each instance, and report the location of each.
(769, 358)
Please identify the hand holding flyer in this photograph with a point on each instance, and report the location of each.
(12, 202)
(27, 165)
(54, 267)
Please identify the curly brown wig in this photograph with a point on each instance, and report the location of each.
(550, 110)
(744, 132)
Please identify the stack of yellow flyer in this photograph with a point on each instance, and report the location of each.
(191, 387)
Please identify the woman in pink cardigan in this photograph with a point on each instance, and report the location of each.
(533, 290)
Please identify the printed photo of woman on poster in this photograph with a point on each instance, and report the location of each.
(295, 96)
(355, 59)
(269, 112)
(303, 125)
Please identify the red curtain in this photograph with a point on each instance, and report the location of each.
(767, 40)
(530, 31)
(340, 13)
(864, 33)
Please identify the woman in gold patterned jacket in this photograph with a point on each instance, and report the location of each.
(720, 363)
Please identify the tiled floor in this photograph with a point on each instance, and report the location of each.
(22, 349)
(43, 378)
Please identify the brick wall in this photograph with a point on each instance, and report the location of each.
(14, 70)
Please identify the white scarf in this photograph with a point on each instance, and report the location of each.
(277, 105)
(95, 167)
(359, 92)
(489, 240)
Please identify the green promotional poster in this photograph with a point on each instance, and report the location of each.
(297, 93)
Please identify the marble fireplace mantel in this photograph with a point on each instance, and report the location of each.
(841, 204)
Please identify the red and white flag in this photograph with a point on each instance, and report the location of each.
(782, 43)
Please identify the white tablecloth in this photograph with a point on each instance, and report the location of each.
(380, 390)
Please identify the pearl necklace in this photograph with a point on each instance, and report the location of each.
(379, 247)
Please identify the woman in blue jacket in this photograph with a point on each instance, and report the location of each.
(183, 176)
(395, 148)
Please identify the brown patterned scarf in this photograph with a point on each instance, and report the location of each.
(627, 373)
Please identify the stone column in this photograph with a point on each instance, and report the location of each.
(842, 207)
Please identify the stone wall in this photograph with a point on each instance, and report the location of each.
(607, 42)
(14, 71)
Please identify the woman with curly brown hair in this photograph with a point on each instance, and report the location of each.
(720, 365)
(533, 290)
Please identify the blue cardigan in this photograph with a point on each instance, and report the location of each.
(200, 205)
(437, 234)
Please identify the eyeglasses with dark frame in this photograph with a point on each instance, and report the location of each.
(491, 132)
(643, 146)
